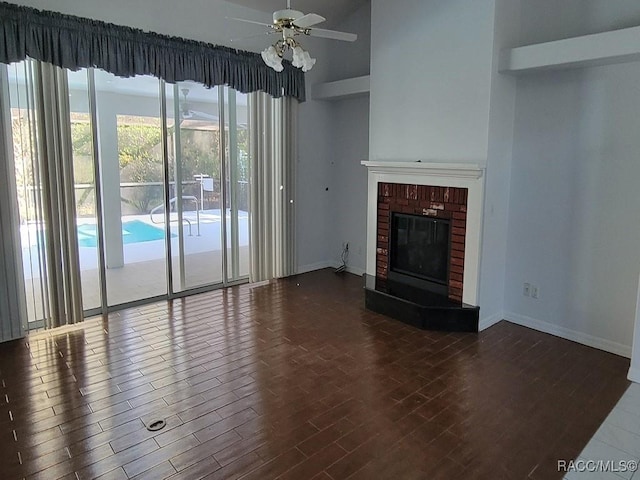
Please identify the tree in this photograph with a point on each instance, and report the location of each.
(140, 158)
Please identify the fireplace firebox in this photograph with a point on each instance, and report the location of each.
(419, 251)
(421, 205)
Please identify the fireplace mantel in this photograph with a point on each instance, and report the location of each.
(460, 175)
(456, 170)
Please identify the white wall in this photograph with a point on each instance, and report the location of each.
(547, 20)
(498, 168)
(352, 59)
(313, 171)
(348, 207)
(430, 80)
(574, 197)
(313, 181)
(350, 145)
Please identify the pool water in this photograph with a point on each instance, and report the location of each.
(133, 231)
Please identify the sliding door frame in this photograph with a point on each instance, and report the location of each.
(97, 180)
(233, 183)
(223, 184)
(226, 197)
(227, 194)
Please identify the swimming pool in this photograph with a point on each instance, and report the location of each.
(133, 231)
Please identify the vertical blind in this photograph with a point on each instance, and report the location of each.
(272, 213)
(56, 196)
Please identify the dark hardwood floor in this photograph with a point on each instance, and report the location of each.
(296, 380)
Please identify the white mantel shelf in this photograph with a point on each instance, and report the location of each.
(455, 170)
(349, 87)
(606, 48)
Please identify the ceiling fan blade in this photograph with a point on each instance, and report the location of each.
(333, 34)
(308, 20)
(270, 32)
(244, 20)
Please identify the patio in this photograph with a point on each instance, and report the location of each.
(144, 271)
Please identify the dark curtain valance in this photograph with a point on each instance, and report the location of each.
(73, 42)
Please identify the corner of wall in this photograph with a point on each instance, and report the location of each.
(498, 166)
(490, 320)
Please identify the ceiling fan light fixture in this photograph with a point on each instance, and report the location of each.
(302, 59)
(272, 58)
(290, 24)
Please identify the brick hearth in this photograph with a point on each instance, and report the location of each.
(438, 202)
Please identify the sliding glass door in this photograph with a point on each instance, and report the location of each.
(129, 130)
(208, 154)
(195, 157)
(160, 177)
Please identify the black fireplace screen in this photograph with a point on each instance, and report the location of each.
(420, 247)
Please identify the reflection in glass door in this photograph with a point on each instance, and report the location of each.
(129, 129)
(208, 142)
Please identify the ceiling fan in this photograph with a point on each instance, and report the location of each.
(187, 114)
(290, 24)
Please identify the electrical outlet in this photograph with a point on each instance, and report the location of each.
(526, 289)
(534, 291)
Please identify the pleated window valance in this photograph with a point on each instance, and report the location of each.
(74, 42)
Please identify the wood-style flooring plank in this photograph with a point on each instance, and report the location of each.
(295, 379)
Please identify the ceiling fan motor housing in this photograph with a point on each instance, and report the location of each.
(286, 16)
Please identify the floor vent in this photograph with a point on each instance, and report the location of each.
(155, 424)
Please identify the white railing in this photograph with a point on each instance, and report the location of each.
(172, 201)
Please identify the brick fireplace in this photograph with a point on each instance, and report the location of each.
(453, 191)
(432, 201)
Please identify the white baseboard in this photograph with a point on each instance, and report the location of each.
(634, 374)
(490, 321)
(329, 264)
(573, 335)
(354, 270)
(313, 267)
